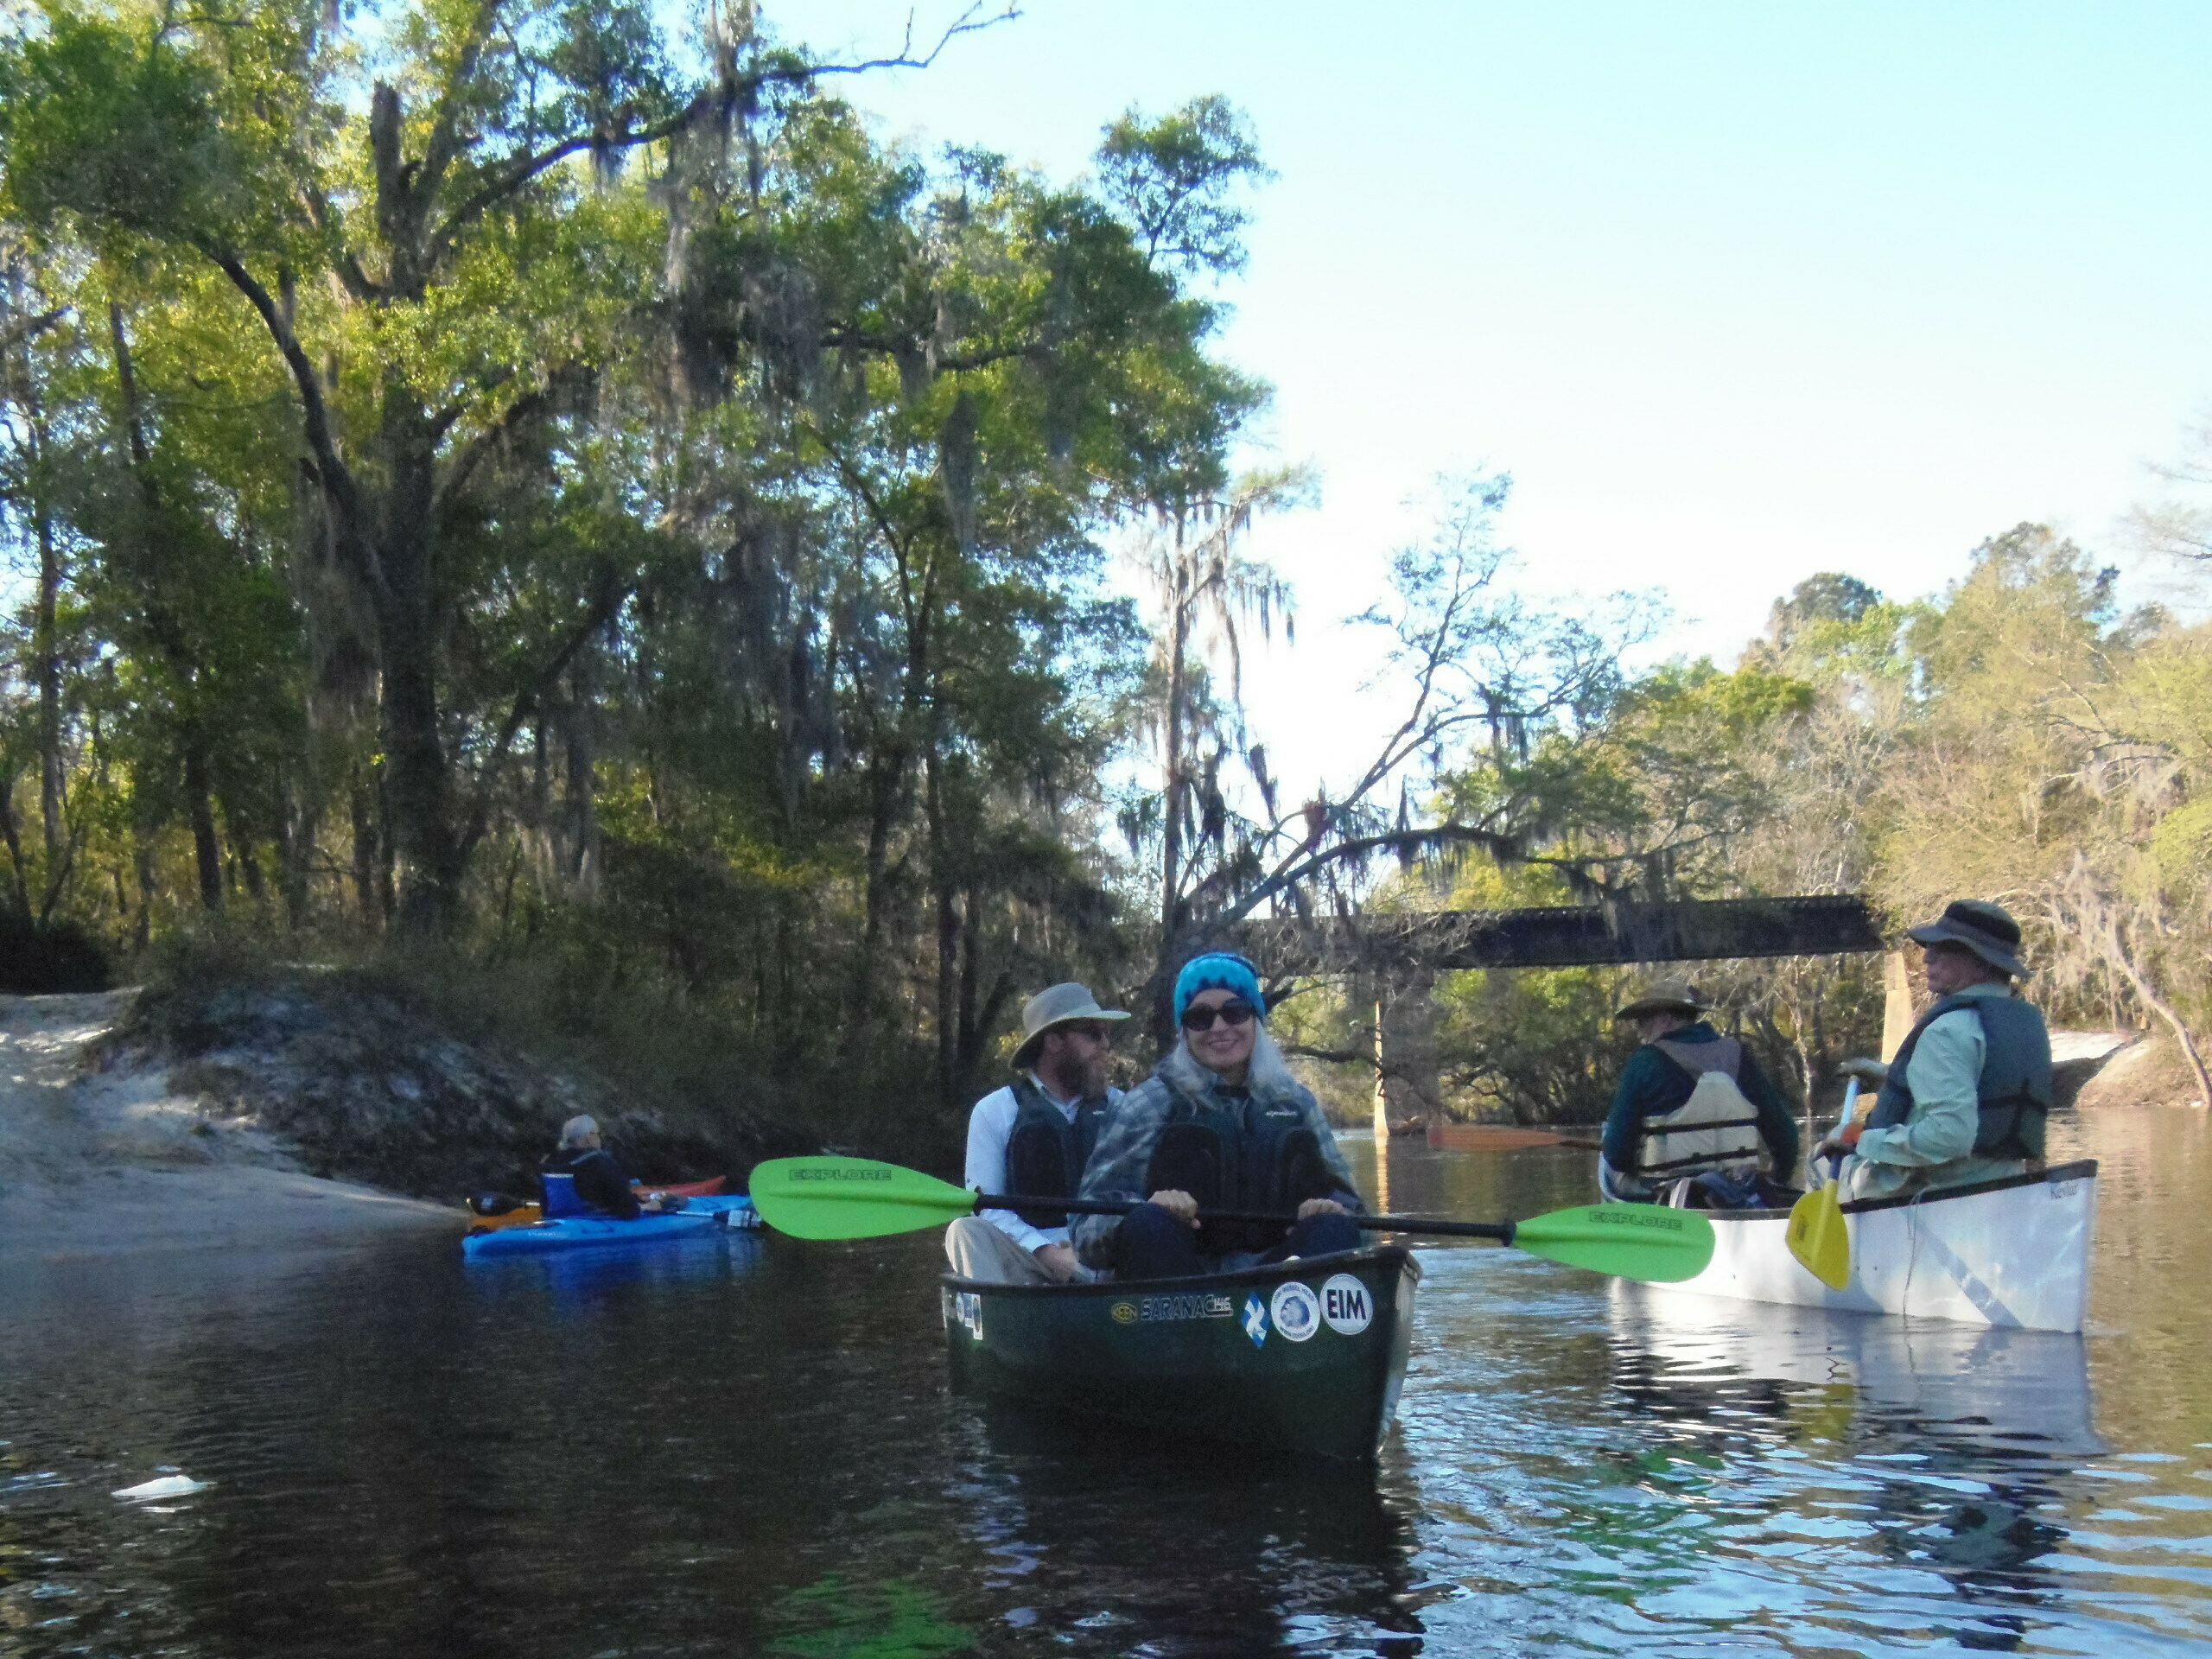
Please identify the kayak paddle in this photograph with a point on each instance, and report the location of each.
(857, 1198)
(1817, 1236)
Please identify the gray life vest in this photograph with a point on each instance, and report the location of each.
(1715, 1130)
(1246, 1154)
(2013, 1090)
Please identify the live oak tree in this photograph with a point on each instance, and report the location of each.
(419, 222)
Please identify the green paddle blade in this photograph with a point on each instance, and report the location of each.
(1819, 1238)
(1629, 1241)
(852, 1198)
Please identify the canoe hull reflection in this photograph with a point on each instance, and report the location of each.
(1305, 1357)
(2011, 1253)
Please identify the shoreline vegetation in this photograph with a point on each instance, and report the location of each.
(548, 526)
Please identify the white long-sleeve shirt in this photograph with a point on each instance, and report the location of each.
(990, 1126)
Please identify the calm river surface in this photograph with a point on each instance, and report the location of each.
(748, 1448)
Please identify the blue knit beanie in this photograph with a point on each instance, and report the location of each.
(1218, 972)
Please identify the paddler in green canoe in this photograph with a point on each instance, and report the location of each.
(1220, 1124)
(1034, 1137)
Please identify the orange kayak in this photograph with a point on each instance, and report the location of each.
(529, 1215)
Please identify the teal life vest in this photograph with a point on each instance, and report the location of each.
(1046, 1150)
(1261, 1156)
(2013, 1090)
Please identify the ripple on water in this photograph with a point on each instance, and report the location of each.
(748, 1448)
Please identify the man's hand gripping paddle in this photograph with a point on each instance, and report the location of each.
(856, 1198)
(1818, 1234)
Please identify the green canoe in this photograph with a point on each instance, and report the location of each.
(1306, 1356)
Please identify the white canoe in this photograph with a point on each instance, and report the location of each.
(2012, 1252)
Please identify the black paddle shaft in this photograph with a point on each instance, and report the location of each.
(1500, 1230)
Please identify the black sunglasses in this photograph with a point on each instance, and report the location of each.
(1230, 1013)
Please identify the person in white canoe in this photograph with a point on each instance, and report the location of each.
(1034, 1137)
(1966, 1098)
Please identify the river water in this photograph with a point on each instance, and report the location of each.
(747, 1447)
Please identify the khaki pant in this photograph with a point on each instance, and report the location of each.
(980, 1251)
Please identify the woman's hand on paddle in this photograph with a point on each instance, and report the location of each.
(1181, 1205)
(1314, 1207)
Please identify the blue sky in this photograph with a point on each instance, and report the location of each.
(1736, 292)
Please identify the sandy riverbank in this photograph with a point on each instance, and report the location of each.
(99, 1163)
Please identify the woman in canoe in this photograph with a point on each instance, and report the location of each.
(1220, 1124)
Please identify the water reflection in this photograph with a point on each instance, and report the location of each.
(1934, 1446)
(747, 1446)
(1095, 1535)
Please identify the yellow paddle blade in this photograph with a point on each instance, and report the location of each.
(1819, 1238)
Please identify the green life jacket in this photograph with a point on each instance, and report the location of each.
(2013, 1090)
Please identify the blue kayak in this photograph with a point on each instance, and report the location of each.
(699, 1218)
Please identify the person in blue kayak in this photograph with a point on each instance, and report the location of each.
(1033, 1138)
(581, 1177)
(1966, 1097)
(1692, 1112)
(1220, 1124)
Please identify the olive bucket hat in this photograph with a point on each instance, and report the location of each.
(1666, 996)
(1979, 926)
(1057, 1005)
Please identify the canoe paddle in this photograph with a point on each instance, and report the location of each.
(1817, 1235)
(857, 1198)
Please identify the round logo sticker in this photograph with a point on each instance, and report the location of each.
(1347, 1305)
(1297, 1311)
(1125, 1312)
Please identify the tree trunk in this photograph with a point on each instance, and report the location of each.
(887, 778)
(200, 805)
(19, 889)
(365, 850)
(417, 787)
(948, 938)
(45, 654)
(1170, 840)
(2117, 953)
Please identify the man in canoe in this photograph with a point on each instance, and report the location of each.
(1691, 1113)
(1966, 1098)
(1220, 1124)
(1034, 1137)
(581, 1177)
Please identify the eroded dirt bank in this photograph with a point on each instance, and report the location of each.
(98, 1162)
(299, 1108)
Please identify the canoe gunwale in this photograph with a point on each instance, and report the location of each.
(1269, 1272)
(2080, 1169)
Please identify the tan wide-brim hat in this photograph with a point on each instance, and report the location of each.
(1976, 925)
(1666, 996)
(1057, 1005)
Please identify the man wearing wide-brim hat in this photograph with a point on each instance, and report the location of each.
(1033, 1138)
(1693, 1112)
(1966, 1097)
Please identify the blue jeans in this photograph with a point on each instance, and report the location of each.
(1151, 1244)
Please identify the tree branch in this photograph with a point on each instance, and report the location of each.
(336, 478)
(32, 327)
(721, 100)
(472, 455)
(613, 593)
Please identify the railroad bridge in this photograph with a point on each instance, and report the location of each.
(1396, 957)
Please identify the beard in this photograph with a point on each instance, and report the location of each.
(1083, 1079)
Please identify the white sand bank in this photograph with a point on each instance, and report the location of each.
(95, 1163)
